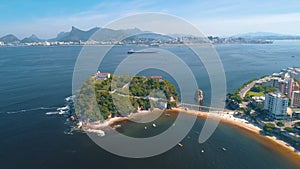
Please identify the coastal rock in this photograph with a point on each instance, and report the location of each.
(199, 97)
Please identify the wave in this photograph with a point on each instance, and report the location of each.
(70, 98)
(32, 109)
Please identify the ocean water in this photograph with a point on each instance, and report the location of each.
(36, 80)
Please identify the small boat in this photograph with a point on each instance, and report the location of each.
(202, 151)
(117, 126)
(154, 45)
(131, 51)
(146, 128)
(180, 145)
(154, 125)
(66, 108)
(51, 113)
(224, 149)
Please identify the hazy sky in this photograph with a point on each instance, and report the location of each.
(212, 17)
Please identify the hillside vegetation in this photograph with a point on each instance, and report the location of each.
(122, 95)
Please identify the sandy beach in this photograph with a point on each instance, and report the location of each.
(228, 118)
(224, 117)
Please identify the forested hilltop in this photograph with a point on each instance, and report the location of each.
(122, 95)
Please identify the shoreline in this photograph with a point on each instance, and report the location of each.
(224, 117)
(244, 125)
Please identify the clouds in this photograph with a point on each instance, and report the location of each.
(211, 16)
(288, 23)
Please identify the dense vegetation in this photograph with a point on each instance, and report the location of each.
(233, 98)
(121, 95)
(280, 124)
(269, 127)
(258, 91)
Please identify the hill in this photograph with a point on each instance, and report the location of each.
(33, 38)
(110, 96)
(75, 35)
(9, 39)
(104, 35)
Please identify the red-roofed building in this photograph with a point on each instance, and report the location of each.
(102, 75)
(156, 77)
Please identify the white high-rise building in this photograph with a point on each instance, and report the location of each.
(276, 105)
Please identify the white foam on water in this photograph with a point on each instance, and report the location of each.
(32, 109)
(70, 98)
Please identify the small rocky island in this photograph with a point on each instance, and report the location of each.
(103, 96)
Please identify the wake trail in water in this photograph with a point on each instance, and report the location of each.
(32, 109)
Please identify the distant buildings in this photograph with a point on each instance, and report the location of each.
(294, 72)
(271, 81)
(295, 101)
(102, 75)
(276, 105)
(283, 81)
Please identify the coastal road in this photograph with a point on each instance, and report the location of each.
(246, 89)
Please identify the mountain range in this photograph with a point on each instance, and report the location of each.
(265, 36)
(76, 35)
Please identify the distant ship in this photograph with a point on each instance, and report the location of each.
(131, 51)
(154, 45)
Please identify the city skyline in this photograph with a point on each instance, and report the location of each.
(236, 17)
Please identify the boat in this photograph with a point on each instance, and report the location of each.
(145, 127)
(66, 108)
(131, 51)
(224, 149)
(154, 45)
(154, 125)
(202, 151)
(180, 145)
(117, 126)
(51, 113)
